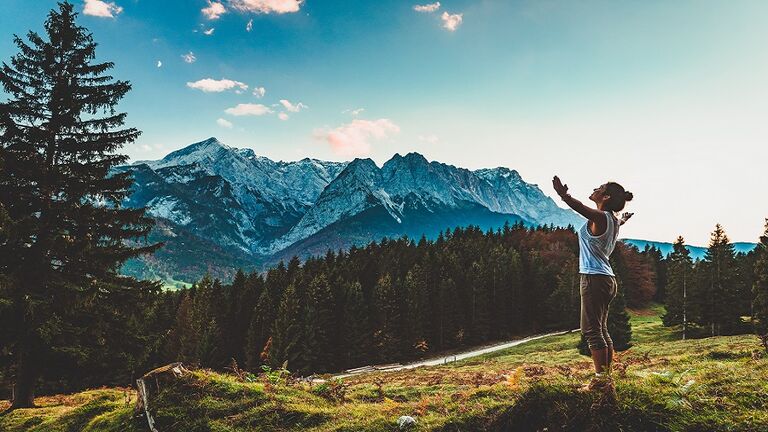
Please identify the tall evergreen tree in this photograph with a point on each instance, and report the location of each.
(182, 343)
(319, 327)
(357, 328)
(287, 332)
(480, 315)
(720, 312)
(563, 305)
(59, 132)
(679, 271)
(760, 287)
(418, 301)
(656, 258)
(388, 335)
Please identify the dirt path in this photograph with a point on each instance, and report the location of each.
(443, 359)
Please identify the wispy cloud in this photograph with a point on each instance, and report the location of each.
(283, 116)
(267, 6)
(427, 7)
(100, 8)
(224, 123)
(249, 26)
(291, 107)
(354, 139)
(189, 57)
(210, 85)
(248, 109)
(259, 92)
(451, 21)
(353, 112)
(209, 31)
(214, 10)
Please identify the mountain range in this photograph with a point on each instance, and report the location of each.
(219, 208)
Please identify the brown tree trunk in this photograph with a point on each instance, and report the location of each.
(24, 387)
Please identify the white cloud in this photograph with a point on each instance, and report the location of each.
(266, 6)
(353, 112)
(159, 64)
(451, 21)
(210, 85)
(209, 31)
(259, 92)
(189, 57)
(248, 109)
(427, 7)
(249, 26)
(224, 123)
(100, 8)
(354, 139)
(283, 116)
(291, 107)
(214, 10)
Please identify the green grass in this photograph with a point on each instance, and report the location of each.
(663, 383)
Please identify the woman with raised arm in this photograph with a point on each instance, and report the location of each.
(597, 283)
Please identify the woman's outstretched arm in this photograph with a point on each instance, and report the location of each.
(590, 213)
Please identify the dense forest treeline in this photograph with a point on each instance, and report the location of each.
(391, 301)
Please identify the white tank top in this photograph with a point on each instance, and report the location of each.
(594, 251)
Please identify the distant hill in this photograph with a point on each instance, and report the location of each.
(697, 252)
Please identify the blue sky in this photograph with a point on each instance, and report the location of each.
(667, 98)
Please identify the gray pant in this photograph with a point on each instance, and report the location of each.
(597, 291)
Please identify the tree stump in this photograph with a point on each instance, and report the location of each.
(149, 385)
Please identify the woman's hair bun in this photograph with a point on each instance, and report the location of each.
(628, 196)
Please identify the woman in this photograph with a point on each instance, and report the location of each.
(597, 238)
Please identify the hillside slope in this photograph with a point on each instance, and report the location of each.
(663, 383)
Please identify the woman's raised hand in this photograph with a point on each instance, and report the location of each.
(626, 216)
(560, 188)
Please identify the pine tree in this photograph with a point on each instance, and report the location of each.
(481, 303)
(264, 315)
(721, 311)
(357, 328)
(253, 344)
(246, 292)
(182, 343)
(656, 258)
(679, 271)
(287, 332)
(417, 307)
(319, 327)
(760, 287)
(563, 304)
(58, 134)
(205, 317)
(387, 335)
